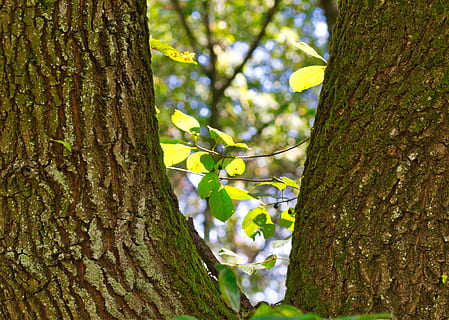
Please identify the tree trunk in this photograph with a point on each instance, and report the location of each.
(93, 232)
(372, 230)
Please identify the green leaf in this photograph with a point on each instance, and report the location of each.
(256, 221)
(444, 278)
(235, 167)
(200, 162)
(269, 262)
(279, 185)
(209, 183)
(304, 47)
(172, 53)
(65, 144)
(221, 205)
(289, 182)
(240, 145)
(175, 153)
(184, 318)
(221, 137)
(227, 282)
(288, 219)
(186, 123)
(306, 78)
(239, 194)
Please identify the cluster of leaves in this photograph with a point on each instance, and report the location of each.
(210, 163)
(230, 292)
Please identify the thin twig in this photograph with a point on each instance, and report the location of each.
(274, 153)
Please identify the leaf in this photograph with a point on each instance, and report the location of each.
(235, 167)
(185, 122)
(444, 278)
(184, 318)
(288, 219)
(227, 282)
(65, 144)
(221, 205)
(172, 53)
(304, 47)
(289, 182)
(200, 162)
(279, 243)
(306, 78)
(251, 269)
(175, 153)
(256, 221)
(209, 183)
(221, 137)
(239, 194)
(269, 262)
(240, 145)
(229, 257)
(279, 185)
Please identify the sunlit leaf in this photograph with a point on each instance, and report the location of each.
(221, 137)
(288, 219)
(238, 194)
(175, 153)
(279, 185)
(185, 122)
(227, 282)
(184, 318)
(200, 162)
(444, 278)
(304, 47)
(221, 205)
(258, 221)
(209, 183)
(269, 262)
(172, 53)
(306, 78)
(290, 182)
(65, 144)
(241, 145)
(235, 167)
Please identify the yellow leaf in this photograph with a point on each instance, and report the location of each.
(172, 53)
(304, 47)
(200, 162)
(236, 166)
(306, 78)
(175, 153)
(238, 194)
(185, 122)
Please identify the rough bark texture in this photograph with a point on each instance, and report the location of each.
(91, 233)
(372, 230)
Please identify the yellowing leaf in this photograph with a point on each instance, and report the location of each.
(238, 194)
(236, 166)
(200, 162)
(185, 122)
(220, 136)
(172, 53)
(175, 153)
(258, 221)
(290, 182)
(287, 219)
(304, 47)
(306, 78)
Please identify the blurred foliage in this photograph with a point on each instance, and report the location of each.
(245, 55)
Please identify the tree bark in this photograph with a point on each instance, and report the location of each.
(372, 229)
(93, 232)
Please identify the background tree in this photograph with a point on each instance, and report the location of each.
(372, 224)
(89, 226)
